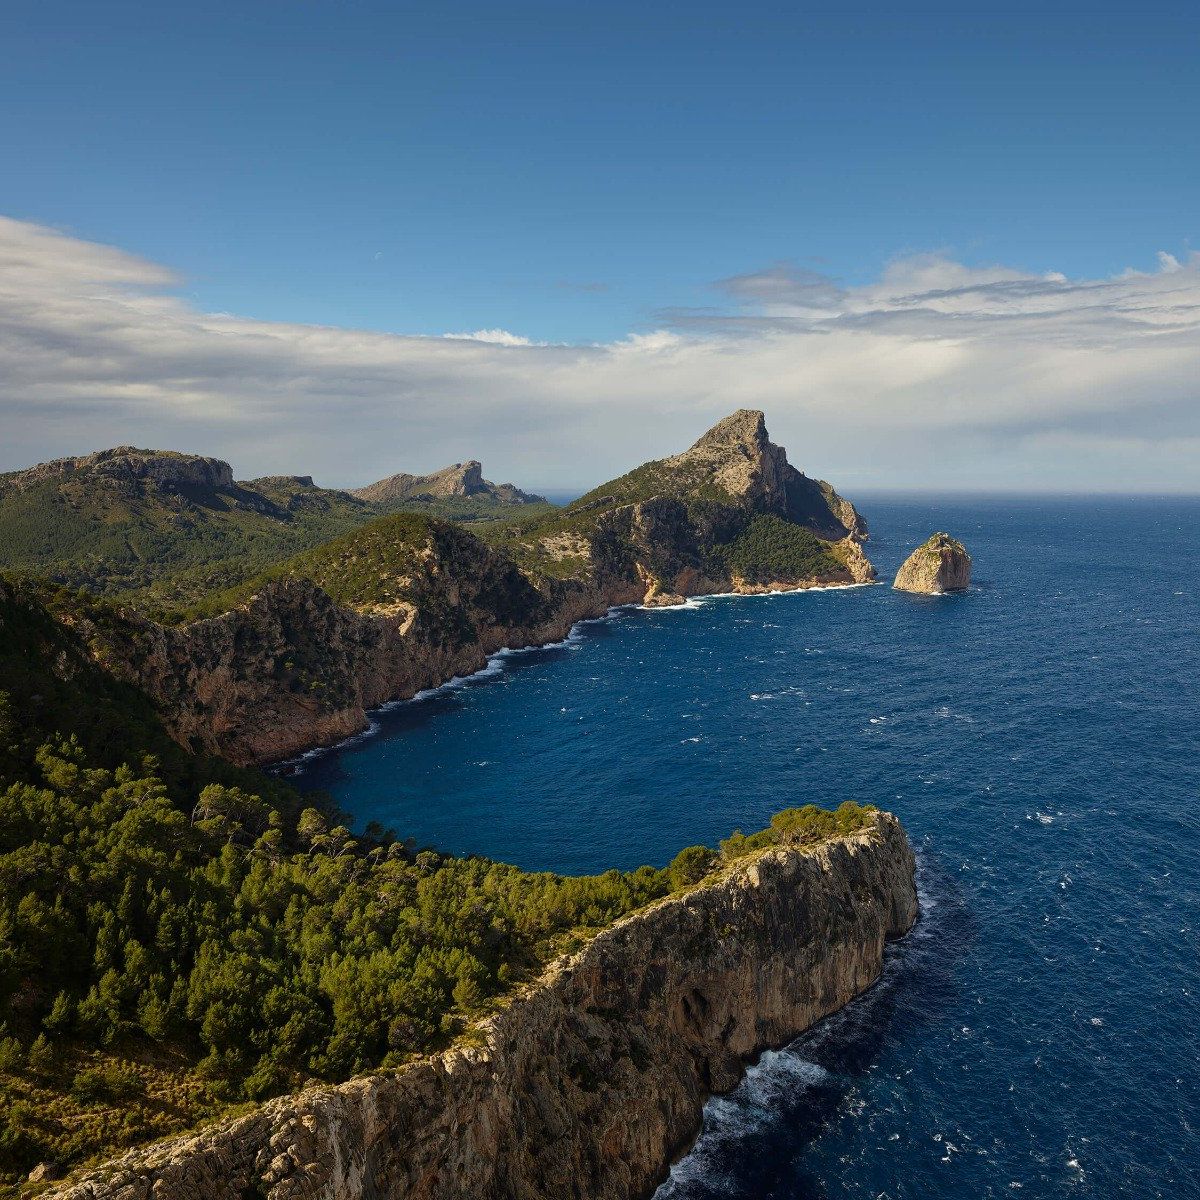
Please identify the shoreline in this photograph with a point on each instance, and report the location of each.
(609, 1011)
(288, 768)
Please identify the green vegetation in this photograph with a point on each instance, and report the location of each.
(477, 512)
(770, 548)
(162, 547)
(403, 559)
(800, 826)
(178, 936)
(116, 536)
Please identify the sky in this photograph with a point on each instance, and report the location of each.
(942, 246)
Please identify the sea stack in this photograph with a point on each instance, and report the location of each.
(939, 565)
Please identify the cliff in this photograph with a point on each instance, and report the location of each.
(416, 602)
(729, 514)
(590, 1082)
(938, 565)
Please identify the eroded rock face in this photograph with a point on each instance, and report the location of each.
(590, 1083)
(292, 669)
(939, 565)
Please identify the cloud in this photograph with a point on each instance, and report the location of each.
(494, 337)
(935, 374)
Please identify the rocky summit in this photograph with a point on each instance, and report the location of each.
(459, 480)
(939, 565)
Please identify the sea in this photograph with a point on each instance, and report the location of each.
(1037, 1034)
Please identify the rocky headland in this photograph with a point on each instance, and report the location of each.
(938, 565)
(299, 657)
(589, 1082)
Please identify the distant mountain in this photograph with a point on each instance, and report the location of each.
(166, 527)
(461, 481)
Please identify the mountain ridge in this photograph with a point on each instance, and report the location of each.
(463, 480)
(297, 656)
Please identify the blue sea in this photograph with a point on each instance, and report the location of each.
(1038, 1033)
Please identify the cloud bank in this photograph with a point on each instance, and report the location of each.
(936, 375)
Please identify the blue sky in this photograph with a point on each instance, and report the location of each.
(567, 170)
(942, 246)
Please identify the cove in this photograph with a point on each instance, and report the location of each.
(1037, 737)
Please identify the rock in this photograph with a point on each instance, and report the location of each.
(592, 1080)
(939, 565)
(167, 469)
(457, 480)
(44, 1172)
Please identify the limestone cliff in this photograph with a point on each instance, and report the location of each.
(728, 514)
(290, 668)
(164, 468)
(939, 565)
(589, 1083)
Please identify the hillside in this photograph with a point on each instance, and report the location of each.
(163, 528)
(178, 936)
(125, 519)
(729, 513)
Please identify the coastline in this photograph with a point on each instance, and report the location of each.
(592, 1079)
(293, 764)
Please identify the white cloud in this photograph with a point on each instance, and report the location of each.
(937, 374)
(494, 337)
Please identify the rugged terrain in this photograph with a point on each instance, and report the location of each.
(461, 481)
(592, 1080)
(938, 565)
(298, 655)
(158, 527)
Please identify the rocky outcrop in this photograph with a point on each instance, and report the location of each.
(939, 565)
(459, 480)
(738, 457)
(591, 1082)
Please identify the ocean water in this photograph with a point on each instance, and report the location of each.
(1038, 1033)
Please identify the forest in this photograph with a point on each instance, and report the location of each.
(179, 936)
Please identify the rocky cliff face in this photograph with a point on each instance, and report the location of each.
(291, 669)
(591, 1082)
(939, 565)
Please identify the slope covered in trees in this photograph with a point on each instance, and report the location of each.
(161, 528)
(178, 936)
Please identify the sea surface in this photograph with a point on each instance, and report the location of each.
(1038, 1033)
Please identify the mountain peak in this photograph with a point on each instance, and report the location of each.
(747, 427)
